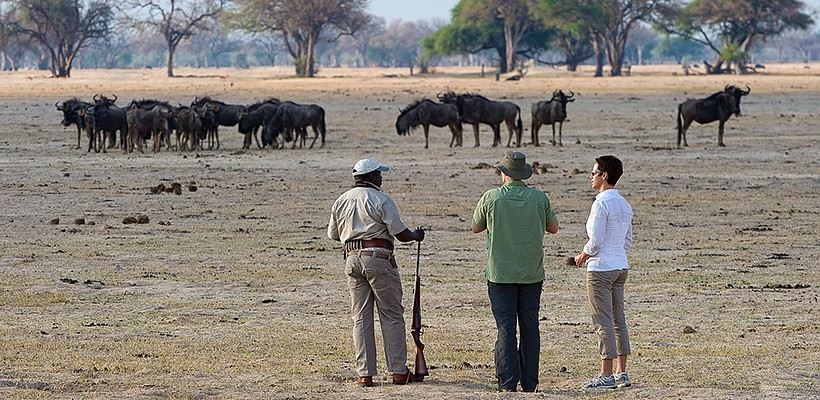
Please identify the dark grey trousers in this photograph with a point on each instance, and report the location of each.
(516, 304)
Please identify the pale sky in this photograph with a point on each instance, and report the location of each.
(412, 10)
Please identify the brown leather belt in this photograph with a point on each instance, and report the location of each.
(363, 244)
(371, 253)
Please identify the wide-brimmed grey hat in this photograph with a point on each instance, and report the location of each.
(515, 165)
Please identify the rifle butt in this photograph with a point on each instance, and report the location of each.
(420, 365)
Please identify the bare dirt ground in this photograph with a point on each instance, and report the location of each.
(233, 290)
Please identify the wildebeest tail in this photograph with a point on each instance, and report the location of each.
(322, 128)
(520, 127)
(680, 123)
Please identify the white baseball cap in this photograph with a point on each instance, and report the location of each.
(366, 166)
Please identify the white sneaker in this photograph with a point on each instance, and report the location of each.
(600, 382)
(622, 380)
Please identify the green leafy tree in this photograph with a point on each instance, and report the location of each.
(508, 27)
(61, 28)
(302, 24)
(730, 28)
(572, 35)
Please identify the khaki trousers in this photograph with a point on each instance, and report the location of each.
(373, 280)
(606, 304)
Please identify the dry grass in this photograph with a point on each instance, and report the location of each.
(239, 295)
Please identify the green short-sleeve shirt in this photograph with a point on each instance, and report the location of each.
(516, 217)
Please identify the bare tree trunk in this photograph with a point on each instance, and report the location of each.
(599, 56)
(169, 67)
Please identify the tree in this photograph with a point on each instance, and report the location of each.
(730, 28)
(400, 44)
(508, 27)
(176, 20)
(641, 38)
(573, 35)
(678, 48)
(514, 17)
(621, 16)
(61, 28)
(302, 23)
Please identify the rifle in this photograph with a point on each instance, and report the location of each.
(415, 327)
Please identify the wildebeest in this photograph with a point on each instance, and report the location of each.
(188, 124)
(292, 117)
(148, 118)
(258, 114)
(71, 115)
(426, 112)
(476, 109)
(224, 115)
(717, 107)
(548, 113)
(108, 119)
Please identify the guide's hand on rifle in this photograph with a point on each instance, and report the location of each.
(419, 233)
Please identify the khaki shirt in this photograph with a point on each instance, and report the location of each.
(364, 213)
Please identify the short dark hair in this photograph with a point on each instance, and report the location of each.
(612, 166)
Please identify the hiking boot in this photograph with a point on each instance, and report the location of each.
(622, 380)
(600, 382)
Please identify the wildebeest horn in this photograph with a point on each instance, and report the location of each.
(745, 92)
(555, 93)
(115, 97)
(571, 94)
(60, 107)
(95, 97)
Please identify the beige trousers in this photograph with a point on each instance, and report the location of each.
(373, 280)
(606, 304)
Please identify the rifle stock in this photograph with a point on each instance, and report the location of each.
(415, 327)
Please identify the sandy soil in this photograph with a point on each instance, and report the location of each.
(233, 290)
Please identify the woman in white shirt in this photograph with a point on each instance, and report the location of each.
(609, 228)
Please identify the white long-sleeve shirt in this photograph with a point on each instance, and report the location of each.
(609, 228)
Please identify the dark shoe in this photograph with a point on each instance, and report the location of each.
(366, 381)
(403, 379)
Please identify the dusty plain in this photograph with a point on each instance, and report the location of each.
(233, 291)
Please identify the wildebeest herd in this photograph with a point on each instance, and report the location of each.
(197, 126)
(454, 109)
(194, 127)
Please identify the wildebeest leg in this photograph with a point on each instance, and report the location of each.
(452, 134)
(216, 136)
(536, 125)
(513, 131)
(686, 124)
(256, 137)
(460, 133)
(496, 134)
(553, 134)
(427, 132)
(475, 132)
(560, 133)
(303, 135)
(79, 136)
(315, 135)
(112, 140)
(720, 133)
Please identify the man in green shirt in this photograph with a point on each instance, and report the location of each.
(515, 217)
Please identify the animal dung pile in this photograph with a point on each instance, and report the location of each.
(539, 168)
(175, 188)
(139, 219)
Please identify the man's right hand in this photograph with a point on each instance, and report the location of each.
(419, 234)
